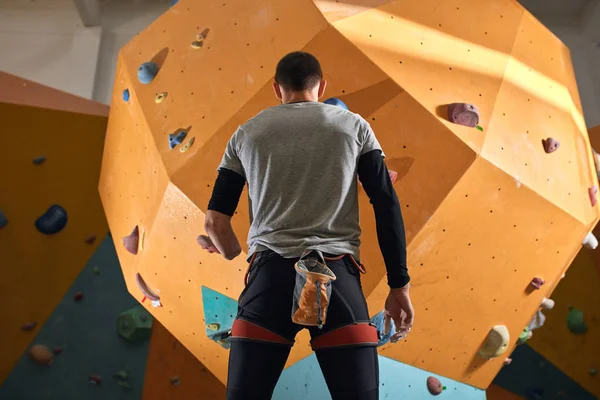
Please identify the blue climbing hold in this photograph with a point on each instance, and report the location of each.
(39, 160)
(173, 2)
(379, 322)
(3, 220)
(147, 71)
(334, 101)
(52, 221)
(126, 95)
(176, 138)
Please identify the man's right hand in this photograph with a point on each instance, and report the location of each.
(399, 307)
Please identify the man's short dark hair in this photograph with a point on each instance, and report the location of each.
(298, 71)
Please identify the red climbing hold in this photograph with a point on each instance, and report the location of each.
(57, 350)
(434, 386)
(78, 296)
(593, 191)
(550, 145)
(463, 114)
(132, 241)
(95, 379)
(29, 326)
(90, 239)
(537, 282)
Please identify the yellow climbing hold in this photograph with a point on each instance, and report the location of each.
(160, 97)
(187, 146)
(213, 327)
(197, 44)
(142, 240)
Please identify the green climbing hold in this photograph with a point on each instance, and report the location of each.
(123, 375)
(576, 321)
(96, 270)
(524, 336)
(135, 325)
(443, 387)
(479, 127)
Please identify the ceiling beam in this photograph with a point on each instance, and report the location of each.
(89, 12)
(590, 21)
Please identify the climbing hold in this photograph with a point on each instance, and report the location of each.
(175, 381)
(96, 270)
(539, 319)
(496, 342)
(41, 354)
(52, 221)
(547, 304)
(537, 283)
(525, 335)
(124, 384)
(507, 361)
(463, 114)
(147, 72)
(334, 101)
(596, 161)
(132, 241)
(3, 220)
(95, 379)
(576, 321)
(176, 138)
(479, 128)
(145, 289)
(434, 386)
(213, 327)
(197, 44)
(550, 145)
(39, 160)
(122, 374)
(160, 97)
(78, 296)
(187, 146)
(90, 239)
(29, 326)
(385, 327)
(134, 325)
(593, 192)
(593, 371)
(126, 95)
(57, 350)
(590, 242)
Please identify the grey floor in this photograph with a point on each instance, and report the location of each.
(87, 332)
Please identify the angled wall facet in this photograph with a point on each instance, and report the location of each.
(485, 210)
(38, 269)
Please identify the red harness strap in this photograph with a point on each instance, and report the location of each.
(242, 329)
(354, 334)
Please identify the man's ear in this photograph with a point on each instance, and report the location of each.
(277, 90)
(322, 87)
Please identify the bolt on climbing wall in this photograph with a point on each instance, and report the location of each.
(475, 104)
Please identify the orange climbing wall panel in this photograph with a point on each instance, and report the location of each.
(485, 211)
(37, 270)
(168, 359)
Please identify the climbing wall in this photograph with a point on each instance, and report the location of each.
(38, 268)
(486, 209)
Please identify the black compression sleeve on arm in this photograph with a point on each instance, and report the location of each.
(227, 192)
(373, 174)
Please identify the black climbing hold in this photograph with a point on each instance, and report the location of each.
(39, 160)
(176, 138)
(3, 220)
(126, 95)
(334, 101)
(52, 221)
(147, 71)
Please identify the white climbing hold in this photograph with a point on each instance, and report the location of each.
(596, 161)
(590, 242)
(496, 342)
(547, 304)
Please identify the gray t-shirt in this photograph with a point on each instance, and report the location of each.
(300, 162)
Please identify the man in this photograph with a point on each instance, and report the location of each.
(300, 160)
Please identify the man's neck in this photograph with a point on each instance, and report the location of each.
(300, 98)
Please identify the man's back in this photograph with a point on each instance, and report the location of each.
(300, 163)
